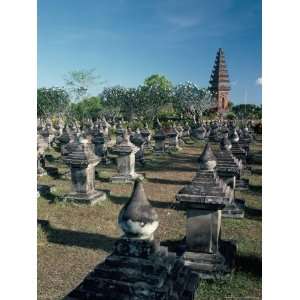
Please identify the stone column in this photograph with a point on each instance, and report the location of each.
(82, 161)
(120, 131)
(139, 268)
(204, 199)
(42, 145)
(125, 161)
(138, 140)
(173, 139)
(160, 142)
(100, 142)
(146, 134)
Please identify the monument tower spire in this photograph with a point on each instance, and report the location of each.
(219, 83)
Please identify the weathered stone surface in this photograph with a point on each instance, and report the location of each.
(204, 200)
(82, 160)
(139, 268)
(138, 140)
(125, 161)
(173, 139)
(42, 145)
(146, 134)
(160, 141)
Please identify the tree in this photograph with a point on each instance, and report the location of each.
(79, 82)
(247, 111)
(155, 93)
(89, 108)
(122, 100)
(193, 100)
(52, 101)
(159, 81)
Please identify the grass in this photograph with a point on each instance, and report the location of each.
(79, 237)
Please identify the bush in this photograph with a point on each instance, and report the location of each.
(231, 116)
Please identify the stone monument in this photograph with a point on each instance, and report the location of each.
(146, 134)
(82, 160)
(42, 145)
(204, 250)
(99, 139)
(160, 141)
(173, 139)
(139, 268)
(125, 161)
(138, 140)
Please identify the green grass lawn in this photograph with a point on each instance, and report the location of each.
(79, 237)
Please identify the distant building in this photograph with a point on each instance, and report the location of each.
(219, 83)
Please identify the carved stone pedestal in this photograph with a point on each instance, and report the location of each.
(173, 140)
(160, 142)
(217, 265)
(125, 162)
(204, 199)
(82, 161)
(139, 268)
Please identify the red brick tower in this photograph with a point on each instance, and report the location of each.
(219, 83)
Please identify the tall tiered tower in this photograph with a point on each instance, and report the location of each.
(219, 83)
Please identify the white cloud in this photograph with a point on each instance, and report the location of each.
(259, 81)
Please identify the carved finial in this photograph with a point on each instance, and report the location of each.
(138, 219)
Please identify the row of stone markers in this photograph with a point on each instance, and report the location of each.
(168, 138)
(82, 153)
(139, 268)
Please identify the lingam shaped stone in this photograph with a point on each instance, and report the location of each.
(234, 136)
(225, 143)
(138, 218)
(207, 160)
(125, 161)
(80, 156)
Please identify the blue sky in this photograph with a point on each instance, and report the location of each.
(128, 40)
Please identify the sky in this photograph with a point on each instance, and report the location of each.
(126, 41)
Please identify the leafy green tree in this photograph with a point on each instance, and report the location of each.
(121, 100)
(52, 101)
(247, 111)
(154, 94)
(192, 99)
(159, 81)
(89, 108)
(79, 82)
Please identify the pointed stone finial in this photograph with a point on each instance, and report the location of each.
(138, 219)
(158, 123)
(207, 159)
(225, 143)
(235, 137)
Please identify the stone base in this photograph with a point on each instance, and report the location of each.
(158, 152)
(52, 171)
(242, 184)
(105, 161)
(89, 199)
(148, 148)
(213, 266)
(235, 210)
(45, 189)
(126, 178)
(138, 269)
(174, 148)
(41, 172)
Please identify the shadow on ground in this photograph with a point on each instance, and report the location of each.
(77, 238)
(255, 188)
(168, 181)
(249, 264)
(253, 213)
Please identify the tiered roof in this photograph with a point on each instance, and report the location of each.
(219, 79)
